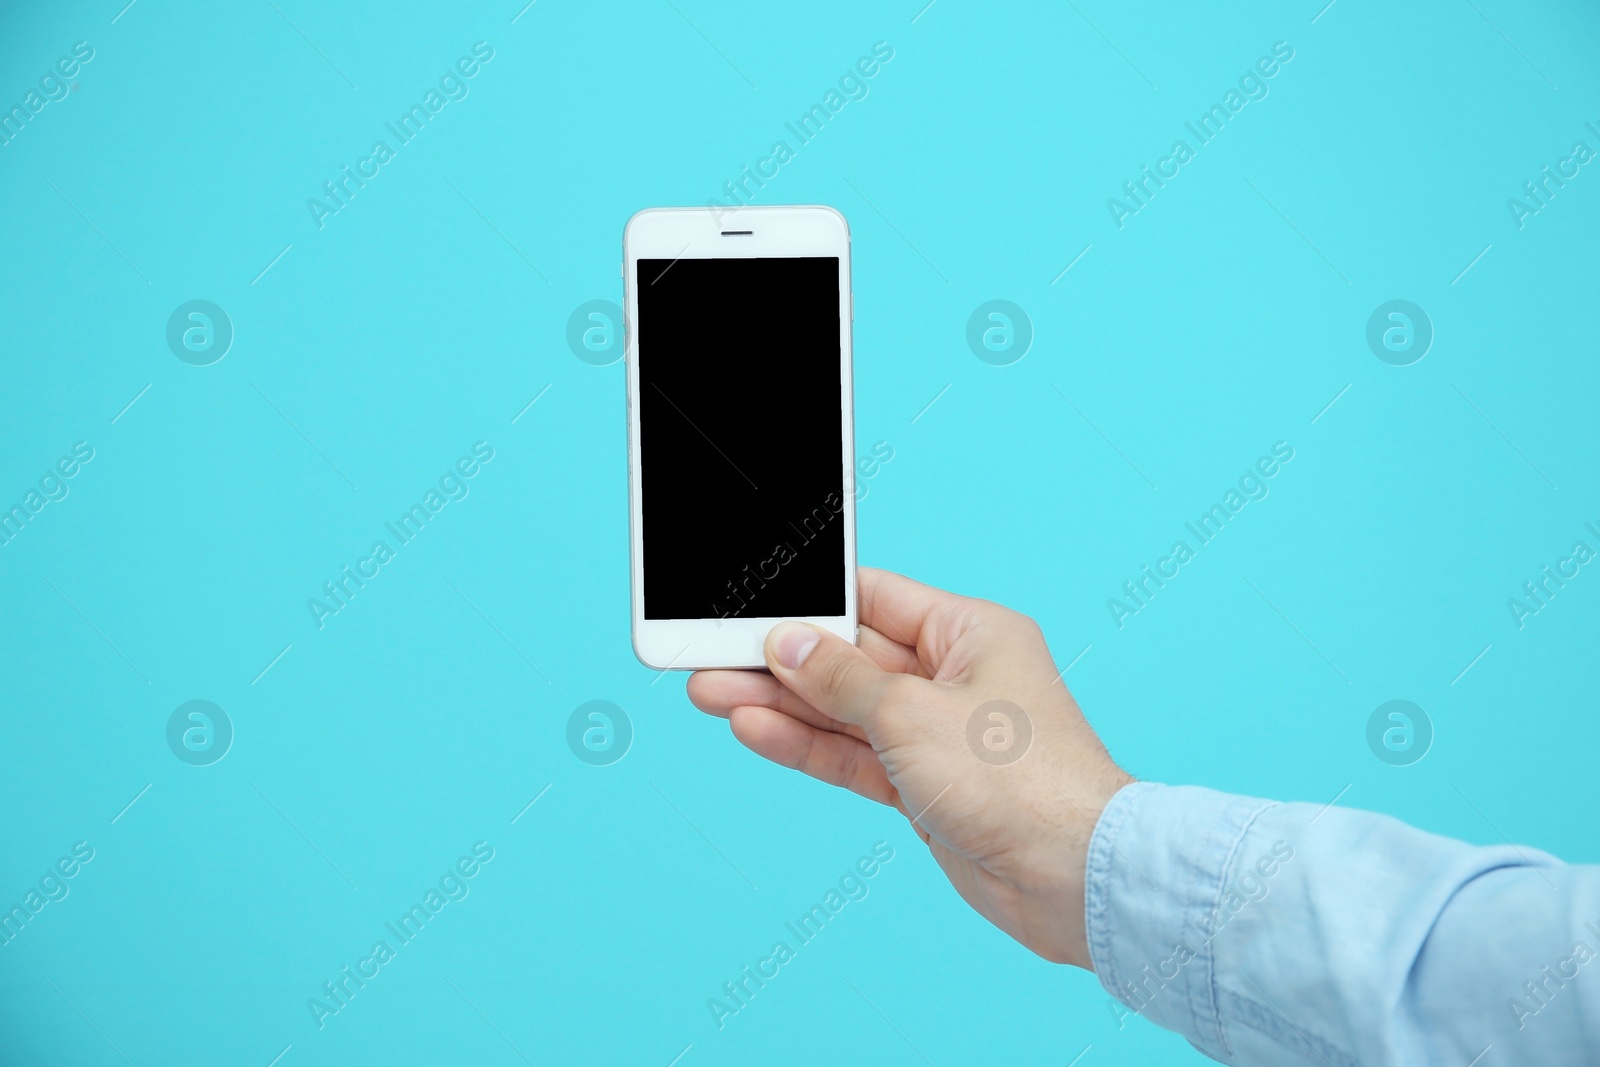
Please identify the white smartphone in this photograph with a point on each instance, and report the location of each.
(740, 430)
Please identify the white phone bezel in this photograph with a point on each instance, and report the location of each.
(699, 233)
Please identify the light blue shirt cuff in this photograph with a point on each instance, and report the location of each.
(1270, 933)
(1151, 920)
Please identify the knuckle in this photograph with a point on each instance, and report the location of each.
(836, 674)
(998, 614)
(1018, 619)
(1016, 622)
(999, 619)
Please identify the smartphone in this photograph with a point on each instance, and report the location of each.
(740, 430)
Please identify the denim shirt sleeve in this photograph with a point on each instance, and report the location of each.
(1271, 933)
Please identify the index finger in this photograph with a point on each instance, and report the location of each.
(897, 606)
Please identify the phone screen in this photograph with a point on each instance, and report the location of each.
(741, 438)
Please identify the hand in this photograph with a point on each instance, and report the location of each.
(890, 721)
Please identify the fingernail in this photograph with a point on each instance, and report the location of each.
(794, 644)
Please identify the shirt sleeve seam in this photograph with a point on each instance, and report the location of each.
(1098, 872)
(1276, 1026)
(1224, 874)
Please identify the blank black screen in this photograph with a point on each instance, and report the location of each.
(741, 438)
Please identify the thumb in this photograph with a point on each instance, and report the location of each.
(826, 671)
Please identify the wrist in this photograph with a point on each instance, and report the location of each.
(1057, 873)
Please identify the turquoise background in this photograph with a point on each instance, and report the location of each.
(427, 313)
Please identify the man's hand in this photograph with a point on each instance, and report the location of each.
(952, 711)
